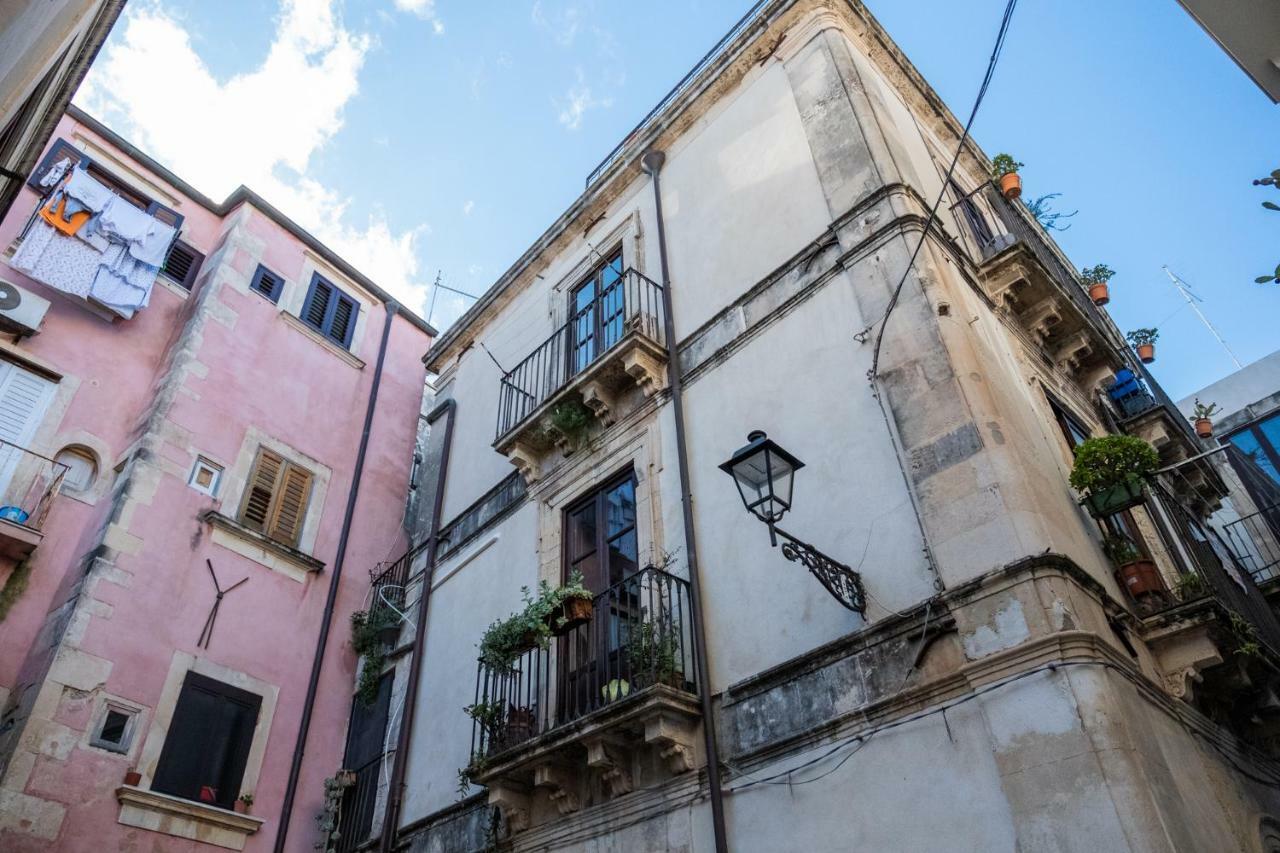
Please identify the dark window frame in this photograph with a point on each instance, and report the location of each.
(596, 495)
(600, 324)
(336, 297)
(188, 281)
(273, 290)
(974, 219)
(188, 730)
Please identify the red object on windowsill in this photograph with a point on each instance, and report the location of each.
(208, 794)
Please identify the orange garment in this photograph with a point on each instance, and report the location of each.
(53, 214)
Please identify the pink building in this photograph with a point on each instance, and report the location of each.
(246, 423)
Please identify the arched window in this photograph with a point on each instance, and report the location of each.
(82, 467)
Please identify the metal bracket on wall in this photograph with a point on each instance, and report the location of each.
(844, 584)
(206, 633)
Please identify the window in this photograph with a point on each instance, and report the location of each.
(207, 745)
(115, 728)
(973, 217)
(62, 149)
(205, 476)
(267, 283)
(82, 467)
(1075, 432)
(275, 502)
(182, 264)
(329, 311)
(597, 309)
(600, 535)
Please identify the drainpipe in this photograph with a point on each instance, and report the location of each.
(652, 164)
(395, 792)
(308, 705)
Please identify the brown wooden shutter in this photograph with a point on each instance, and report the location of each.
(263, 483)
(291, 506)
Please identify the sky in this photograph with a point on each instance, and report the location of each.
(441, 137)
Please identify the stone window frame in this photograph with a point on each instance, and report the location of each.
(626, 234)
(137, 719)
(293, 298)
(218, 470)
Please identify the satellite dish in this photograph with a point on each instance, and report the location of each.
(10, 298)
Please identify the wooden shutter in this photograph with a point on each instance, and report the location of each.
(208, 742)
(267, 283)
(290, 508)
(182, 264)
(262, 489)
(317, 307)
(344, 319)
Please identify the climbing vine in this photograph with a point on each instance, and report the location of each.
(14, 586)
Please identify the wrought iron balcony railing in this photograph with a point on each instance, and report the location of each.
(630, 306)
(640, 635)
(28, 484)
(1255, 540)
(358, 807)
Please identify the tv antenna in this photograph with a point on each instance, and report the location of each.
(1192, 299)
(436, 287)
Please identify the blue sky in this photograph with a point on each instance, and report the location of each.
(417, 135)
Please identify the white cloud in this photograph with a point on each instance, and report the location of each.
(261, 128)
(467, 207)
(424, 9)
(562, 25)
(577, 101)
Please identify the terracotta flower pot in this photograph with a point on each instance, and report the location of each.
(1011, 185)
(241, 807)
(572, 613)
(1204, 427)
(1146, 353)
(132, 777)
(1141, 578)
(1099, 293)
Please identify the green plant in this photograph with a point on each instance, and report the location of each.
(569, 418)
(1138, 337)
(1203, 411)
(1004, 164)
(1190, 586)
(334, 788)
(1111, 460)
(1099, 274)
(1246, 636)
(654, 650)
(1272, 180)
(247, 799)
(14, 586)
(466, 775)
(1121, 550)
(1046, 215)
(489, 715)
(506, 639)
(366, 641)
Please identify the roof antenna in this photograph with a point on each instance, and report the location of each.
(438, 286)
(1192, 299)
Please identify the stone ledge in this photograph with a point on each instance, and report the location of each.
(181, 818)
(341, 352)
(259, 548)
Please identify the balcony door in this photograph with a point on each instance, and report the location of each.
(597, 310)
(24, 398)
(600, 542)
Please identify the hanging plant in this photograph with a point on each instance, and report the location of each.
(369, 630)
(1109, 470)
(1095, 280)
(1144, 342)
(1005, 171)
(554, 611)
(334, 789)
(1202, 417)
(568, 420)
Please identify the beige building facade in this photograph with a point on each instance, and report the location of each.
(746, 260)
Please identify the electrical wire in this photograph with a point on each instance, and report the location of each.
(933, 211)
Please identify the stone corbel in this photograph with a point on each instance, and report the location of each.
(1006, 298)
(513, 802)
(674, 736)
(525, 458)
(600, 401)
(605, 756)
(648, 372)
(1041, 319)
(1074, 352)
(561, 787)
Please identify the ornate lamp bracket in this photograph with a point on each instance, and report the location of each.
(844, 584)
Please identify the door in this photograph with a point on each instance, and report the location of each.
(597, 311)
(600, 543)
(24, 398)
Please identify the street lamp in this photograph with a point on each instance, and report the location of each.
(765, 476)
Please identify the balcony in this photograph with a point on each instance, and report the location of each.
(28, 484)
(607, 349)
(610, 706)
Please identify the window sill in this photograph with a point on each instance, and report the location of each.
(172, 286)
(185, 818)
(234, 536)
(340, 352)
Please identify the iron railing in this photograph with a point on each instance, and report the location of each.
(631, 305)
(1255, 541)
(359, 804)
(28, 484)
(640, 635)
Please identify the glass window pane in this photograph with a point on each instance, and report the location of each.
(582, 532)
(620, 507)
(1253, 450)
(622, 557)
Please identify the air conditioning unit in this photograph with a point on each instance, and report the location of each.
(21, 311)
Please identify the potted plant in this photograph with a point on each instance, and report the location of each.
(1144, 341)
(244, 803)
(566, 607)
(654, 654)
(132, 777)
(1095, 281)
(1109, 470)
(1190, 586)
(1134, 571)
(1005, 171)
(1202, 418)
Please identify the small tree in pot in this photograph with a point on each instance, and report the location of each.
(1202, 417)
(1109, 470)
(1144, 342)
(1135, 572)
(1004, 169)
(1095, 281)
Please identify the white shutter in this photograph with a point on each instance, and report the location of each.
(24, 397)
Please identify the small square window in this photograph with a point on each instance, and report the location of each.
(205, 476)
(115, 729)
